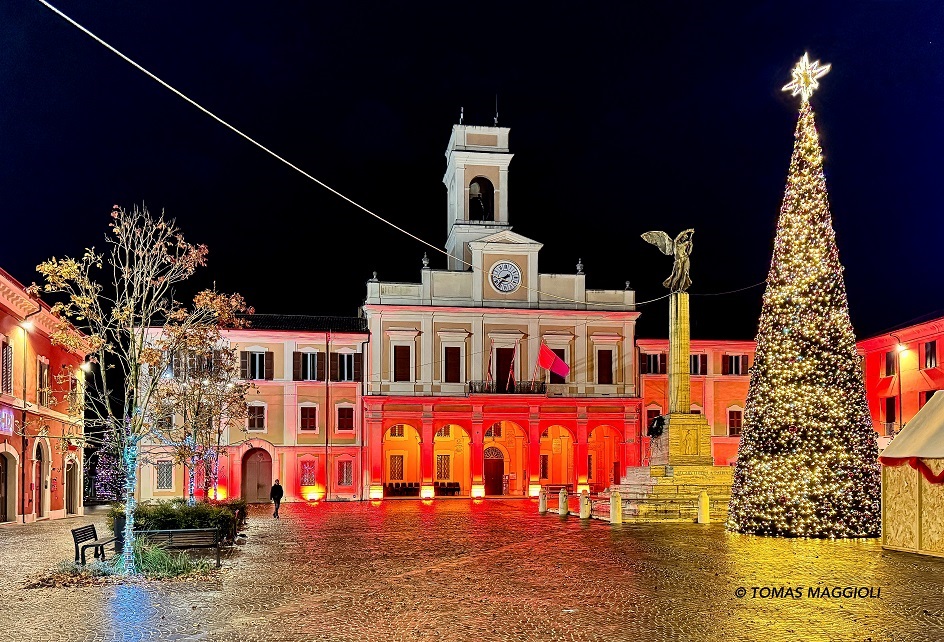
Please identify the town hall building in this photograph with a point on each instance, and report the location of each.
(454, 403)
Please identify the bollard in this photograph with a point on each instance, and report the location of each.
(704, 508)
(616, 508)
(542, 502)
(584, 505)
(562, 502)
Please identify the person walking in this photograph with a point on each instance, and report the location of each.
(276, 496)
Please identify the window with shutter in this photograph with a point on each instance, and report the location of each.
(556, 378)
(643, 363)
(358, 367)
(605, 367)
(346, 367)
(661, 363)
(308, 418)
(401, 363)
(7, 367)
(453, 372)
(244, 365)
(269, 372)
(297, 366)
(890, 407)
(320, 365)
(334, 366)
(743, 364)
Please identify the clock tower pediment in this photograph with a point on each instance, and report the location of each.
(505, 269)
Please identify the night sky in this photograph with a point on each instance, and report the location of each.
(624, 118)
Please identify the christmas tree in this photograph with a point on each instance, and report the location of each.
(808, 459)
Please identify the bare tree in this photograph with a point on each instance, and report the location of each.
(115, 296)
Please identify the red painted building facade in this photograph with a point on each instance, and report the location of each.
(41, 454)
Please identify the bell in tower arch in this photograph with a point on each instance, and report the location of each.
(481, 199)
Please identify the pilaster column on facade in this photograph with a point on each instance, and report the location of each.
(479, 354)
(290, 413)
(427, 467)
(376, 352)
(534, 455)
(477, 455)
(580, 455)
(629, 356)
(709, 408)
(375, 454)
(502, 195)
(426, 356)
(581, 364)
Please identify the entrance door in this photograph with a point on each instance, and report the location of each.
(504, 359)
(257, 476)
(3, 488)
(494, 470)
(38, 485)
(71, 488)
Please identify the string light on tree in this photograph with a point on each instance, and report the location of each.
(807, 460)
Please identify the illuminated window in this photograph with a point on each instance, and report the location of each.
(734, 364)
(308, 366)
(545, 466)
(345, 418)
(698, 364)
(396, 467)
(735, 419)
(443, 469)
(165, 475)
(652, 363)
(256, 365)
(308, 473)
(42, 383)
(346, 473)
(890, 364)
(346, 367)
(396, 431)
(445, 431)
(930, 354)
(309, 418)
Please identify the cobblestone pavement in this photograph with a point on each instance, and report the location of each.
(493, 570)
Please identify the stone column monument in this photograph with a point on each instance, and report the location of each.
(681, 465)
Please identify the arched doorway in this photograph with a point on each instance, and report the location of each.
(557, 457)
(3, 489)
(452, 470)
(603, 458)
(494, 470)
(39, 478)
(72, 486)
(257, 476)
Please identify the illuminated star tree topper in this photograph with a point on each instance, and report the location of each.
(806, 77)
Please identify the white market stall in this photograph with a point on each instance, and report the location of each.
(913, 484)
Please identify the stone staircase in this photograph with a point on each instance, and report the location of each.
(670, 493)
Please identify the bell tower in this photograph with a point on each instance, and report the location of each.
(476, 179)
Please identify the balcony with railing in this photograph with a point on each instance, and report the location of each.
(510, 388)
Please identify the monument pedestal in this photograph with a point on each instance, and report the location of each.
(681, 467)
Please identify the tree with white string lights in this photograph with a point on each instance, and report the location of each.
(807, 460)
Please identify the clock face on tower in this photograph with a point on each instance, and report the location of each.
(505, 276)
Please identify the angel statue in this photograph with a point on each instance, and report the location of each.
(681, 247)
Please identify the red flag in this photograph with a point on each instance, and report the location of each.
(550, 361)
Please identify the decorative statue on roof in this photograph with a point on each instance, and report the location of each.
(681, 247)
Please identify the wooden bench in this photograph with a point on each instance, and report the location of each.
(87, 534)
(185, 538)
